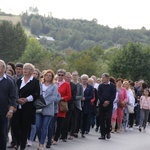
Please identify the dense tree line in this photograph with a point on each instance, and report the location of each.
(81, 34)
(130, 61)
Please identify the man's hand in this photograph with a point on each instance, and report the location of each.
(106, 103)
(83, 99)
(9, 114)
(22, 101)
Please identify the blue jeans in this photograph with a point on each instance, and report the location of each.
(42, 122)
(51, 129)
(33, 132)
(3, 132)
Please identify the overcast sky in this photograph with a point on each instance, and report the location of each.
(130, 14)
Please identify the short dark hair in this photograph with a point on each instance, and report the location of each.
(106, 75)
(119, 79)
(19, 65)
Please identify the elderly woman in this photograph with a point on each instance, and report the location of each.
(86, 102)
(28, 91)
(36, 75)
(49, 91)
(65, 91)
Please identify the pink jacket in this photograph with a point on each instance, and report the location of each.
(122, 95)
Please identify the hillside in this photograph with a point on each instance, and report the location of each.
(78, 34)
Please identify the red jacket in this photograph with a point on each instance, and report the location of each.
(65, 92)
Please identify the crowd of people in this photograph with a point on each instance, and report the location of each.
(104, 103)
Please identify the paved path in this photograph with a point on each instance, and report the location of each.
(131, 140)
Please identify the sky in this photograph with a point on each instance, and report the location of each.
(129, 14)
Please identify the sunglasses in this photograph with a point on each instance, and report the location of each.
(60, 75)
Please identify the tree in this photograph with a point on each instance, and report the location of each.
(131, 62)
(35, 25)
(36, 55)
(12, 41)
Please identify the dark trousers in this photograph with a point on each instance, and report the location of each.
(21, 123)
(3, 131)
(97, 122)
(131, 120)
(67, 122)
(105, 114)
(79, 120)
(89, 122)
(138, 115)
(60, 124)
(84, 121)
(74, 120)
(13, 142)
(51, 129)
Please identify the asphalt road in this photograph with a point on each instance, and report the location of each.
(130, 140)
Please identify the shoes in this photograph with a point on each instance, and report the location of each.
(41, 147)
(29, 143)
(113, 130)
(96, 129)
(64, 140)
(10, 146)
(118, 130)
(75, 135)
(70, 137)
(140, 129)
(86, 132)
(102, 137)
(131, 129)
(144, 130)
(82, 136)
(54, 142)
(48, 145)
(108, 135)
(15, 147)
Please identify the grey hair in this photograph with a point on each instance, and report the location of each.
(4, 64)
(61, 71)
(84, 76)
(29, 64)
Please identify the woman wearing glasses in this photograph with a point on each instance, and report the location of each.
(65, 92)
(28, 91)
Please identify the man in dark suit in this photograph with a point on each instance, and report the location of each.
(106, 96)
(69, 114)
(28, 91)
(7, 103)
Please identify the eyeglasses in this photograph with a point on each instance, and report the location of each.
(60, 75)
(48, 75)
(27, 69)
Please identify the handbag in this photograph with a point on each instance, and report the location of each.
(130, 109)
(40, 102)
(63, 106)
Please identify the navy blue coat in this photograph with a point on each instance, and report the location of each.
(88, 95)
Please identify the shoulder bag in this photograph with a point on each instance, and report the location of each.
(63, 106)
(130, 109)
(40, 102)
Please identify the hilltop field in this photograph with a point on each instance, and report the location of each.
(12, 18)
